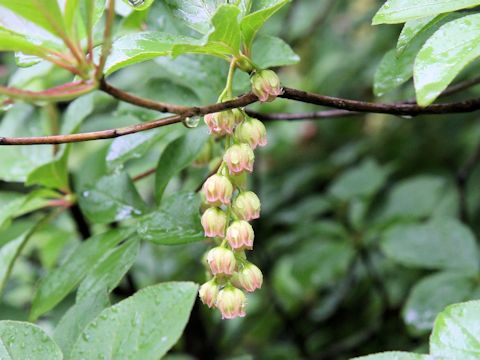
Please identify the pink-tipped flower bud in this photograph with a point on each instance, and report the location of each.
(218, 190)
(266, 85)
(239, 158)
(214, 221)
(208, 293)
(221, 261)
(249, 278)
(247, 206)
(221, 123)
(231, 302)
(252, 132)
(240, 235)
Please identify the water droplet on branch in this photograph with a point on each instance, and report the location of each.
(191, 122)
(136, 3)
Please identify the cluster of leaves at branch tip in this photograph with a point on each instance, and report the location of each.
(229, 206)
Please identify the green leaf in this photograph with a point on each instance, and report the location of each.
(431, 295)
(53, 174)
(395, 355)
(77, 318)
(111, 198)
(12, 42)
(177, 221)
(454, 46)
(399, 11)
(21, 340)
(134, 48)
(176, 157)
(196, 13)
(139, 5)
(223, 41)
(363, 180)
(10, 252)
(411, 29)
(432, 244)
(77, 112)
(251, 23)
(271, 51)
(44, 13)
(456, 334)
(144, 326)
(62, 280)
(107, 274)
(396, 67)
(417, 197)
(19, 161)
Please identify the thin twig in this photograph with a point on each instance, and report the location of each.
(113, 133)
(107, 39)
(144, 174)
(315, 115)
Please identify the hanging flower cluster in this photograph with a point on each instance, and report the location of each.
(231, 207)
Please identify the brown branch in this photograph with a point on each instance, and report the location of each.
(107, 39)
(144, 174)
(401, 109)
(145, 103)
(113, 133)
(315, 115)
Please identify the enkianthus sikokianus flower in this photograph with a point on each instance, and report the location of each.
(240, 235)
(266, 85)
(249, 278)
(252, 132)
(218, 190)
(247, 206)
(214, 222)
(208, 293)
(223, 123)
(231, 302)
(221, 261)
(239, 158)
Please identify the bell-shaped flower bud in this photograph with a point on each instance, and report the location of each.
(221, 261)
(240, 235)
(247, 206)
(218, 190)
(221, 123)
(252, 132)
(214, 222)
(239, 158)
(249, 278)
(231, 302)
(208, 293)
(266, 85)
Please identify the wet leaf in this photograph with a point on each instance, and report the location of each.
(144, 326)
(454, 46)
(108, 273)
(111, 198)
(431, 295)
(61, 281)
(395, 355)
(22, 340)
(177, 221)
(456, 334)
(398, 11)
